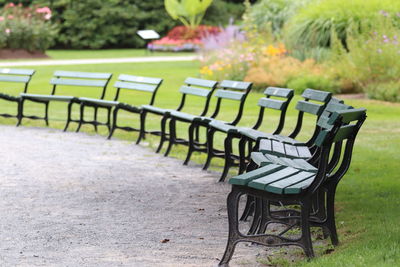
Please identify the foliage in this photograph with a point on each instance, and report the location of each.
(312, 25)
(373, 60)
(26, 28)
(105, 24)
(189, 12)
(220, 13)
(318, 82)
(273, 13)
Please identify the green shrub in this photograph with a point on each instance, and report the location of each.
(26, 28)
(300, 83)
(312, 26)
(389, 91)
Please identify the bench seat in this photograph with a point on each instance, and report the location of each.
(223, 126)
(264, 159)
(157, 110)
(61, 98)
(280, 149)
(99, 102)
(183, 116)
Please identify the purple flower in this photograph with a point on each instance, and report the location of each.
(384, 13)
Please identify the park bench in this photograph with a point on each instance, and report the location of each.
(313, 105)
(193, 89)
(127, 83)
(19, 76)
(294, 185)
(275, 99)
(228, 91)
(72, 80)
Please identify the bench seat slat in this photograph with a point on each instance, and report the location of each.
(291, 151)
(229, 95)
(183, 115)
(224, 127)
(262, 182)
(245, 178)
(265, 146)
(278, 187)
(77, 82)
(303, 152)
(254, 134)
(136, 86)
(101, 102)
(79, 74)
(156, 109)
(48, 97)
(299, 187)
(278, 148)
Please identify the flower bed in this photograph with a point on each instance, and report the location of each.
(182, 38)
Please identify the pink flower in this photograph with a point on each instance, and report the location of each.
(10, 5)
(10, 16)
(44, 10)
(8, 31)
(47, 16)
(1, 18)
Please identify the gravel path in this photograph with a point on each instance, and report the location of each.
(72, 199)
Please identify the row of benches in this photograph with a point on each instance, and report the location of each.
(274, 170)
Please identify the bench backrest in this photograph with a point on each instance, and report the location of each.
(344, 127)
(22, 76)
(235, 91)
(199, 88)
(314, 103)
(137, 83)
(78, 79)
(276, 99)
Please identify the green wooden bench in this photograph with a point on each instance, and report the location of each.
(21, 76)
(194, 90)
(313, 105)
(66, 79)
(297, 186)
(275, 99)
(228, 91)
(128, 84)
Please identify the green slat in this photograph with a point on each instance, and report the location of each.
(16, 79)
(344, 132)
(79, 74)
(245, 178)
(200, 82)
(262, 182)
(222, 126)
(265, 146)
(28, 72)
(259, 158)
(287, 140)
(271, 103)
(319, 141)
(73, 82)
(279, 92)
(191, 90)
(155, 109)
(309, 107)
(48, 97)
(229, 95)
(279, 186)
(235, 85)
(136, 86)
(139, 79)
(348, 115)
(304, 165)
(99, 101)
(332, 106)
(291, 151)
(278, 148)
(299, 187)
(183, 115)
(316, 95)
(303, 152)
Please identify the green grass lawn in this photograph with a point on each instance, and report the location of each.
(104, 53)
(368, 198)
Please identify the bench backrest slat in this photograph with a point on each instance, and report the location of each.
(316, 95)
(279, 92)
(27, 72)
(309, 107)
(236, 85)
(200, 82)
(136, 86)
(229, 95)
(196, 91)
(271, 103)
(78, 82)
(16, 79)
(82, 75)
(332, 106)
(139, 79)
